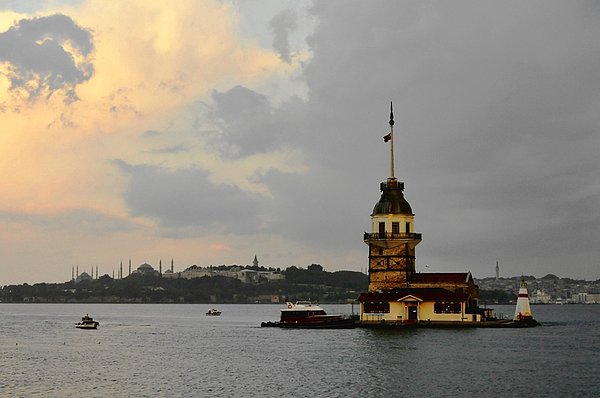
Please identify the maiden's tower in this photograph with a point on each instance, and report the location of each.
(397, 293)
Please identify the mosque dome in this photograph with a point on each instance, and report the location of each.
(392, 199)
(145, 268)
(84, 276)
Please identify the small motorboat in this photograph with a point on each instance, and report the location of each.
(87, 323)
(213, 312)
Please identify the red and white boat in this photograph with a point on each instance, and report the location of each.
(305, 315)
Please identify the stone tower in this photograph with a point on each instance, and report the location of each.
(391, 241)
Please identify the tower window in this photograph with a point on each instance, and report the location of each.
(408, 228)
(382, 230)
(395, 228)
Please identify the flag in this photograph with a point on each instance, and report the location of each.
(387, 137)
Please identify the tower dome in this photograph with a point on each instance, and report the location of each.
(392, 199)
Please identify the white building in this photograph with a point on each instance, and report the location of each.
(244, 275)
(585, 298)
(540, 297)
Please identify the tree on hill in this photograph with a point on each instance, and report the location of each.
(550, 277)
(494, 297)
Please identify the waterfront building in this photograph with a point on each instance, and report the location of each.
(540, 297)
(585, 298)
(397, 294)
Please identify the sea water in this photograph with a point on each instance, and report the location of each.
(156, 350)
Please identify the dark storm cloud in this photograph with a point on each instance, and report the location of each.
(187, 199)
(495, 123)
(282, 24)
(496, 137)
(251, 125)
(247, 122)
(39, 57)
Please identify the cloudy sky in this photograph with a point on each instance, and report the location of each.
(211, 131)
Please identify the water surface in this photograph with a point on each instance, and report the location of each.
(157, 350)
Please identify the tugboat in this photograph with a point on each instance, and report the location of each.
(305, 315)
(87, 323)
(213, 312)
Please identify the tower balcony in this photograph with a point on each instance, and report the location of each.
(392, 236)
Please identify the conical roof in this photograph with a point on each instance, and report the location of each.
(392, 199)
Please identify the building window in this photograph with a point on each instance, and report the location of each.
(408, 228)
(381, 230)
(376, 307)
(445, 307)
(395, 228)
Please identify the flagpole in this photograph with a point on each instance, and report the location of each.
(392, 141)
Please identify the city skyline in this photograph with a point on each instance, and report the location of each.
(211, 131)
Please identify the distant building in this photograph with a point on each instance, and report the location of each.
(540, 297)
(145, 269)
(245, 275)
(84, 276)
(270, 276)
(585, 298)
(315, 267)
(268, 298)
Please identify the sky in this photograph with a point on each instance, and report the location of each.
(209, 132)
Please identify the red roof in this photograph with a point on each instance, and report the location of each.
(425, 294)
(437, 277)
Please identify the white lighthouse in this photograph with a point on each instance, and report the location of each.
(523, 310)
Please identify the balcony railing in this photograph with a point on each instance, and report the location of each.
(392, 236)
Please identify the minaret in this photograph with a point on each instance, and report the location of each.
(523, 310)
(129, 267)
(121, 270)
(497, 271)
(72, 272)
(391, 241)
(96, 272)
(171, 264)
(255, 261)
(160, 267)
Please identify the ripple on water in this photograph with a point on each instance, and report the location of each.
(174, 350)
